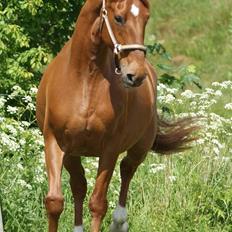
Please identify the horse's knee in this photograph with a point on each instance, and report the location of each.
(98, 207)
(54, 205)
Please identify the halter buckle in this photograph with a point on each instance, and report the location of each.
(117, 48)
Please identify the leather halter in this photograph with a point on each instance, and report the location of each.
(118, 48)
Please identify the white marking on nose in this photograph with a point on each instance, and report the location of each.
(134, 10)
(78, 229)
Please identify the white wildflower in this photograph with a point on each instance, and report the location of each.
(22, 142)
(156, 168)
(23, 183)
(172, 90)
(30, 106)
(187, 94)
(228, 106)
(225, 159)
(218, 93)
(39, 178)
(33, 90)
(12, 109)
(19, 166)
(200, 141)
(27, 99)
(217, 143)
(172, 178)
(2, 102)
(25, 124)
(225, 84)
(8, 142)
(17, 91)
(28, 186)
(11, 129)
(179, 101)
(194, 103)
(216, 84)
(169, 98)
(209, 91)
(216, 151)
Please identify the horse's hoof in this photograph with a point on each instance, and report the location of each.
(119, 227)
(78, 229)
(120, 215)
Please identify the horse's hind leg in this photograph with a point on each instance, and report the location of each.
(54, 200)
(79, 187)
(128, 167)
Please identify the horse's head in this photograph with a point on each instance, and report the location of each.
(123, 30)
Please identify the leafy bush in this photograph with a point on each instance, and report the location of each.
(31, 33)
(179, 77)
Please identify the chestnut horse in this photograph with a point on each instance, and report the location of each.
(98, 98)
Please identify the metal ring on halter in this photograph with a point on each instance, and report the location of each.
(104, 12)
(118, 71)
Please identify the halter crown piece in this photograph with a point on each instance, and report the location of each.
(118, 48)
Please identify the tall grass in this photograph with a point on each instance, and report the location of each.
(195, 32)
(185, 192)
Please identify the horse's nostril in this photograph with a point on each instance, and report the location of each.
(130, 77)
(133, 80)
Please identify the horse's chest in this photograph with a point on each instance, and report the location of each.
(86, 134)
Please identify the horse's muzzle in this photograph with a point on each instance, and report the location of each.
(130, 80)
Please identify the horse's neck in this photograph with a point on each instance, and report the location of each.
(87, 54)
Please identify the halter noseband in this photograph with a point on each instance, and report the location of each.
(118, 48)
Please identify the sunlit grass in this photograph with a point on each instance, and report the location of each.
(195, 32)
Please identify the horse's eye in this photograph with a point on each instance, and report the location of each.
(119, 20)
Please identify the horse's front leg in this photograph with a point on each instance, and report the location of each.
(54, 200)
(128, 167)
(79, 187)
(98, 202)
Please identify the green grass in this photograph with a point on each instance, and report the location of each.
(196, 32)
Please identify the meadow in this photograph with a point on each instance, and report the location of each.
(189, 191)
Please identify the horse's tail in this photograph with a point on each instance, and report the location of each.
(174, 137)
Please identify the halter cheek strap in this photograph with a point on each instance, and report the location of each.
(118, 48)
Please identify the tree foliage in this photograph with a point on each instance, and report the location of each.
(31, 33)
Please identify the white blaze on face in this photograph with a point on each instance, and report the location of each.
(134, 10)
